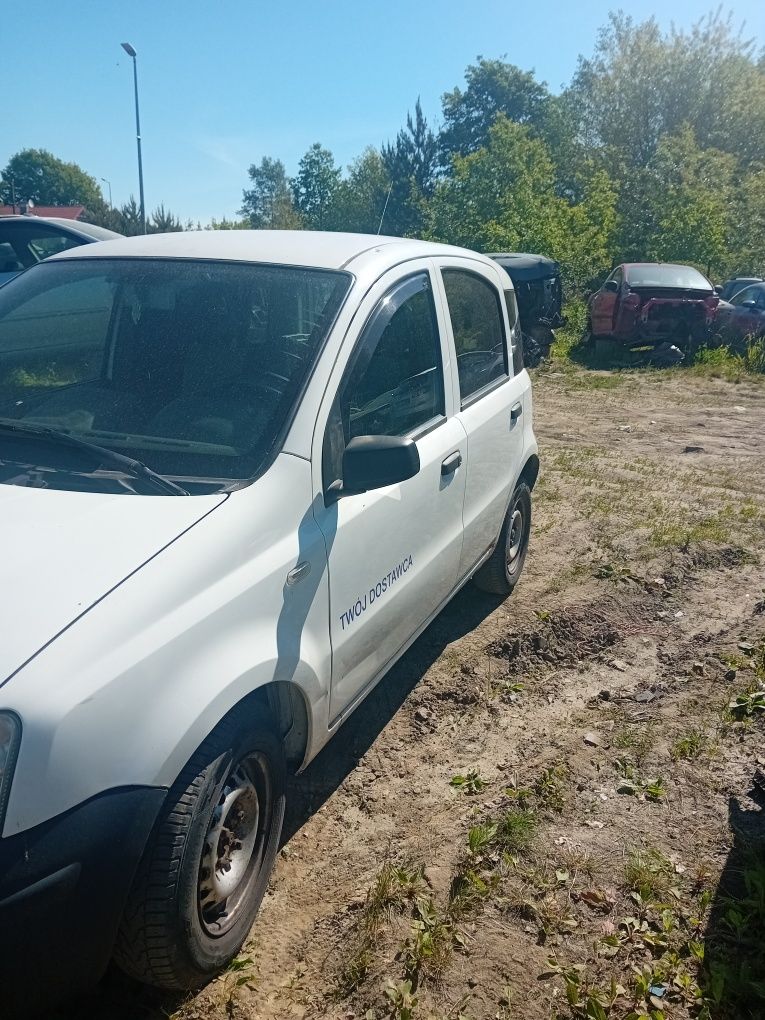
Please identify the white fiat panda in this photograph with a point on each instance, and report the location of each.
(240, 472)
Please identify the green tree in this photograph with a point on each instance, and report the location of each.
(314, 189)
(503, 198)
(689, 200)
(129, 218)
(360, 198)
(493, 87)
(747, 226)
(37, 175)
(162, 221)
(410, 163)
(268, 204)
(640, 85)
(226, 224)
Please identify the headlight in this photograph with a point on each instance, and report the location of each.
(10, 734)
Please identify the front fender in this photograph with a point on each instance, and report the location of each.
(125, 696)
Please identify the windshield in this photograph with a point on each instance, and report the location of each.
(191, 367)
(679, 277)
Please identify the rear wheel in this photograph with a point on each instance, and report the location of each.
(502, 571)
(207, 866)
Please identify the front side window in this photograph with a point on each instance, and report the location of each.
(756, 293)
(479, 335)
(191, 367)
(394, 381)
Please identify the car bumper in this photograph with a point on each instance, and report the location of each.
(63, 886)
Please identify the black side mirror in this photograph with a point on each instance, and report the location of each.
(611, 285)
(370, 462)
(718, 289)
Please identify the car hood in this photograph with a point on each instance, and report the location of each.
(61, 552)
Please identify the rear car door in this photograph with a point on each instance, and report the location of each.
(393, 553)
(492, 398)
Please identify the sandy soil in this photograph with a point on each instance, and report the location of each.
(594, 703)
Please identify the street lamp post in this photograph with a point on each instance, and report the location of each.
(131, 53)
(109, 185)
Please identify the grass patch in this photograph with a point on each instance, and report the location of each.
(649, 873)
(640, 739)
(691, 746)
(516, 830)
(734, 962)
(723, 362)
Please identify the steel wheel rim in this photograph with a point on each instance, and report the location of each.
(234, 844)
(514, 539)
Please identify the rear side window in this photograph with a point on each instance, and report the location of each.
(479, 335)
(46, 245)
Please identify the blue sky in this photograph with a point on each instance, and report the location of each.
(223, 84)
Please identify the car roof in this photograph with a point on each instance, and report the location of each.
(307, 248)
(525, 265)
(88, 231)
(669, 265)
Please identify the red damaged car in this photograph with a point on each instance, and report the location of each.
(651, 303)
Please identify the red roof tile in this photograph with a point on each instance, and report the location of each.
(64, 212)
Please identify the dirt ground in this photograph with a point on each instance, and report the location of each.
(549, 808)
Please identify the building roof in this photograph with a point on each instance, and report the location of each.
(63, 212)
(318, 249)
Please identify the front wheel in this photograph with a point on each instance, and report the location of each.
(206, 869)
(502, 571)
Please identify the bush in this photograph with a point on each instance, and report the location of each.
(726, 360)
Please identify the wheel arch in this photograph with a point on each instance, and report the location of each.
(530, 471)
(287, 704)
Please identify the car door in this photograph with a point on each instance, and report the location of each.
(393, 553)
(604, 304)
(747, 316)
(491, 398)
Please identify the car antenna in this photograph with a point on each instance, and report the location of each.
(387, 197)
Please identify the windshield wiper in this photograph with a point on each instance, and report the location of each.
(134, 468)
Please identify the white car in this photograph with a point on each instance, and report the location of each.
(240, 472)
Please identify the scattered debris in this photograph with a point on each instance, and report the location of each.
(644, 696)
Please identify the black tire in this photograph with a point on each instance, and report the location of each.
(501, 572)
(174, 933)
(532, 352)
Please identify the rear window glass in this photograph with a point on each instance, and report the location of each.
(684, 277)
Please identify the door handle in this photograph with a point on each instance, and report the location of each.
(451, 463)
(515, 412)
